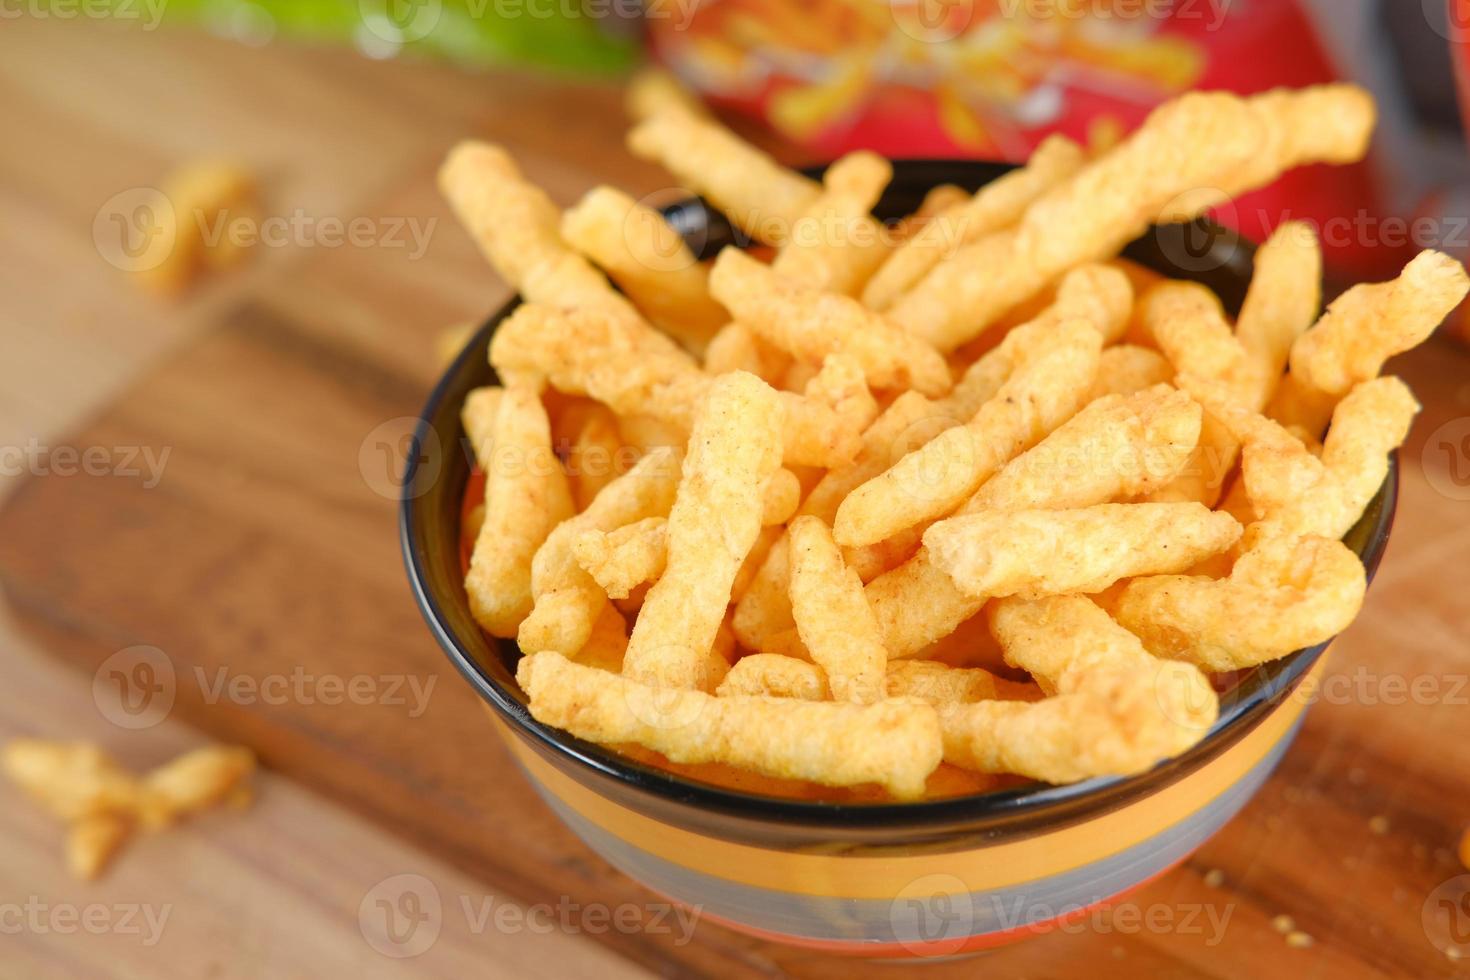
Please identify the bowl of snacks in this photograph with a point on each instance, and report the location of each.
(904, 558)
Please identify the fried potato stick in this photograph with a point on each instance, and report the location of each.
(893, 743)
(1116, 710)
(810, 325)
(1114, 448)
(837, 243)
(649, 261)
(1054, 367)
(761, 197)
(997, 205)
(1127, 369)
(942, 685)
(1037, 553)
(1185, 144)
(1299, 494)
(596, 455)
(653, 90)
(1284, 299)
(1283, 595)
(622, 559)
(567, 599)
(734, 450)
(478, 416)
(832, 615)
(776, 676)
(526, 495)
(735, 347)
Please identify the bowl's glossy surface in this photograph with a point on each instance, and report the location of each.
(930, 878)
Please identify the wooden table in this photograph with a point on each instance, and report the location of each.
(267, 550)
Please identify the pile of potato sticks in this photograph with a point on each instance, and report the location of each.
(907, 510)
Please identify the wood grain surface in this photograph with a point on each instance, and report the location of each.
(264, 560)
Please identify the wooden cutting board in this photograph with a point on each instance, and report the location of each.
(264, 564)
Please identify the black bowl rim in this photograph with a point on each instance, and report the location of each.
(1246, 702)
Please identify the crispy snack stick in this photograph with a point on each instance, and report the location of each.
(1127, 369)
(761, 197)
(478, 416)
(516, 226)
(1284, 299)
(653, 90)
(832, 616)
(1116, 710)
(893, 743)
(1114, 448)
(837, 243)
(588, 352)
(92, 842)
(937, 201)
(1298, 494)
(941, 685)
(567, 599)
(596, 456)
(1185, 144)
(1370, 323)
(735, 347)
(1284, 594)
(622, 559)
(1188, 323)
(526, 495)
(1318, 124)
(997, 205)
(810, 325)
(649, 261)
(192, 782)
(734, 450)
(72, 780)
(776, 676)
(1054, 367)
(1037, 553)
(607, 643)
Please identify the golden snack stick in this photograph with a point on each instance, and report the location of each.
(72, 780)
(734, 450)
(782, 497)
(517, 228)
(1116, 447)
(653, 90)
(597, 455)
(1187, 322)
(893, 743)
(1372, 322)
(832, 615)
(777, 676)
(761, 197)
(1185, 144)
(622, 559)
(526, 495)
(766, 540)
(644, 433)
(200, 196)
(649, 261)
(1284, 594)
(1317, 124)
(837, 243)
(936, 201)
(1116, 710)
(1127, 369)
(1299, 494)
(871, 560)
(478, 416)
(1284, 299)
(1054, 367)
(567, 599)
(608, 358)
(997, 205)
(810, 325)
(194, 781)
(764, 607)
(942, 685)
(91, 842)
(1037, 553)
(1113, 448)
(735, 347)
(607, 643)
